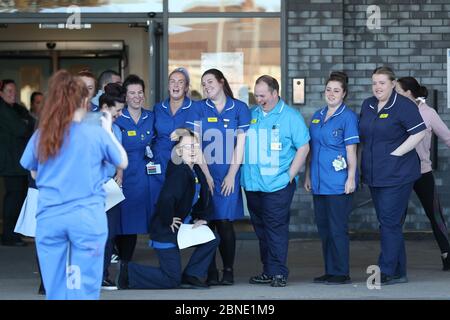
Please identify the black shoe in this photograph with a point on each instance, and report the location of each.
(446, 263)
(388, 280)
(41, 290)
(227, 277)
(213, 278)
(122, 276)
(278, 281)
(260, 279)
(191, 282)
(14, 243)
(108, 285)
(322, 279)
(338, 280)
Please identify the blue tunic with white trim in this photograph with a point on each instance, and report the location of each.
(328, 142)
(165, 124)
(136, 209)
(219, 137)
(383, 132)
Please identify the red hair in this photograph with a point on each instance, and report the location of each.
(65, 95)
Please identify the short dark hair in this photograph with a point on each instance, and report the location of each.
(133, 79)
(105, 77)
(271, 82)
(34, 95)
(5, 82)
(114, 92)
(342, 78)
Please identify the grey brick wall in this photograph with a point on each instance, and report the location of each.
(325, 35)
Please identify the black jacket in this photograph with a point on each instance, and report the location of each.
(175, 200)
(16, 128)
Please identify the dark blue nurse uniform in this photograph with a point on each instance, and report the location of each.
(389, 177)
(136, 209)
(219, 136)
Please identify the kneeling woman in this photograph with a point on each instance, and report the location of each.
(185, 196)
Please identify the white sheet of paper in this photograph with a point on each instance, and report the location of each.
(26, 223)
(114, 194)
(188, 237)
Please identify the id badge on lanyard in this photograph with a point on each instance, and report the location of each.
(275, 144)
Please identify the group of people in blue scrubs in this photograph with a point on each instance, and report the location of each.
(188, 162)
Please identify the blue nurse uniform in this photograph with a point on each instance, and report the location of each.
(136, 209)
(389, 177)
(332, 206)
(219, 136)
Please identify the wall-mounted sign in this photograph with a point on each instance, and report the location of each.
(298, 90)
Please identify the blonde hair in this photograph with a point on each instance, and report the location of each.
(385, 70)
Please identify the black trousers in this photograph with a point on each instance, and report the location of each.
(15, 193)
(427, 194)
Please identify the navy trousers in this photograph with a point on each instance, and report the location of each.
(331, 214)
(269, 212)
(113, 216)
(390, 204)
(169, 273)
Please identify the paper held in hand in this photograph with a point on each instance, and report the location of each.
(114, 194)
(188, 237)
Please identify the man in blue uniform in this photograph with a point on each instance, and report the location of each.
(276, 148)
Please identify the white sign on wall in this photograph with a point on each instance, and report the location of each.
(448, 78)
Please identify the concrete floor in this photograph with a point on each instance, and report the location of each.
(19, 279)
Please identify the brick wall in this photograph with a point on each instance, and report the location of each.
(325, 35)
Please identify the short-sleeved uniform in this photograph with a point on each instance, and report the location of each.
(219, 136)
(71, 209)
(332, 207)
(328, 142)
(271, 144)
(136, 209)
(389, 177)
(165, 124)
(381, 133)
(270, 147)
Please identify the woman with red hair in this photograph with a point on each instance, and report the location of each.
(67, 158)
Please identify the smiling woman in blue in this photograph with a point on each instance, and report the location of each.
(136, 125)
(331, 176)
(222, 122)
(170, 114)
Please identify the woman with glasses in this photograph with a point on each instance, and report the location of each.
(184, 198)
(170, 114)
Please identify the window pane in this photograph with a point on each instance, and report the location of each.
(224, 6)
(86, 6)
(243, 49)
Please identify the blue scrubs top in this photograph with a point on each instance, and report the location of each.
(75, 177)
(271, 144)
(136, 209)
(381, 133)
(110, 169)
(219, 136)
(328, 141)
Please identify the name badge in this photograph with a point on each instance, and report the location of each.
(275, 146)
(384, 115)
(153, 168)
(131, 133)
(253, 121)
(212, 119)
(316, 121)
